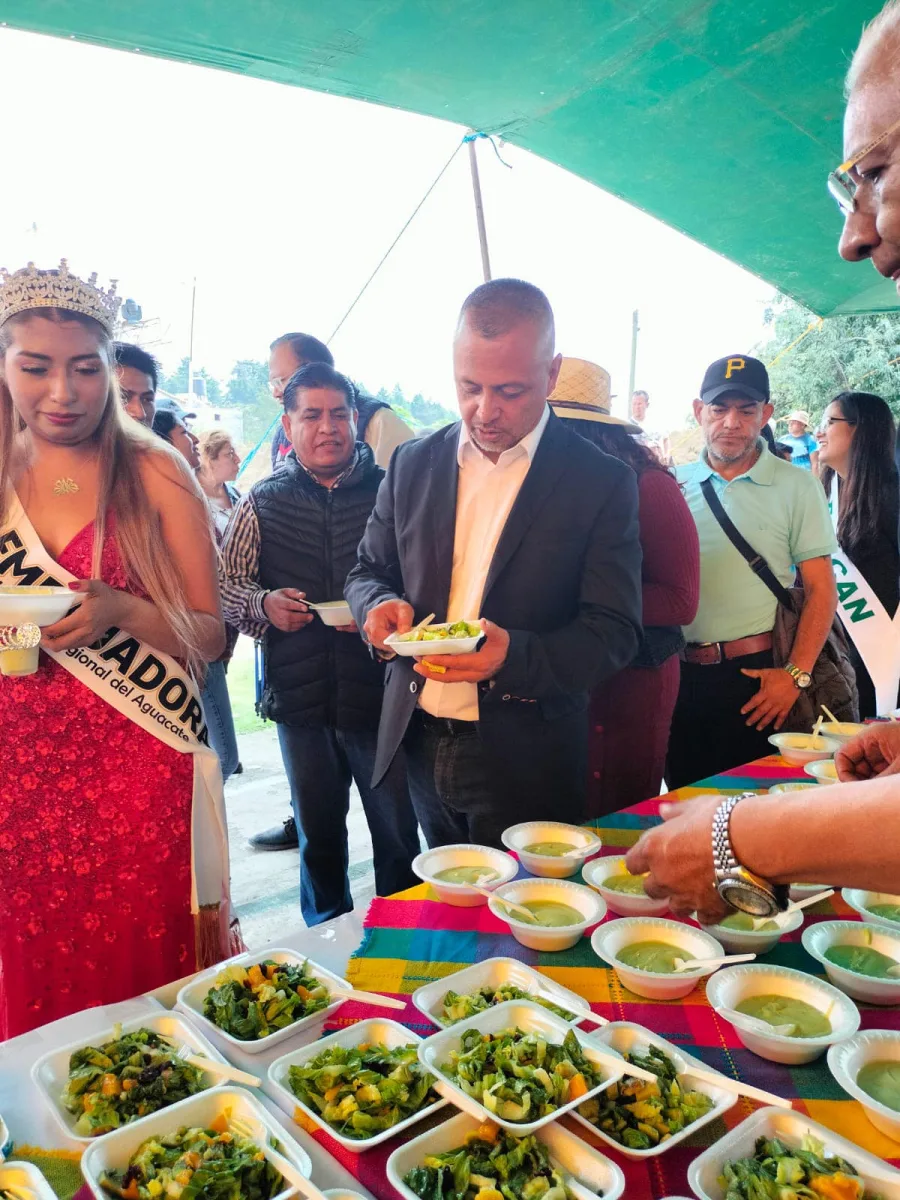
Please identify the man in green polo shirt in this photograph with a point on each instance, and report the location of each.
(731, 696)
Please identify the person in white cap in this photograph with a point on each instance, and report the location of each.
(804, 447)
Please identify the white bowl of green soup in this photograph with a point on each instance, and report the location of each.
(857, 957)
(642, 951)
(551, 849)
(737, 934)
(624, 893)
(817, 1014)
(867, 1066)
(451, 871)
(880, 908)
(562, 912)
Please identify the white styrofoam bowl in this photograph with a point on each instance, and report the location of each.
(822, 770)
(334, 612)
(541, 937)
(464, 645)
(595, 875)
(376, 1031)
(26, 1179)
(749, 941)
(780, 789)
(113, 1150)
(435, 1051)
(846, 1060)
(848, 731)
(40, 605)
(190, 999)
(789, 1127)
(818, 938)
(551, 866)
(464, 854)
(734, 984)
(803, 891)
(609, 939)
(493, 972)
(590, 1173)
(51, 1072)
(859, 899)
(625, 1037)
(813, 749)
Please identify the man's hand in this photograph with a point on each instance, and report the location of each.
(96, 613)
(678, 855)
(776, 697)
(876, 751)
(390, 616)
(285, 609)
(468, 668)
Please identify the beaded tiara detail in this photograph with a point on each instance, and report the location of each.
(29, 289)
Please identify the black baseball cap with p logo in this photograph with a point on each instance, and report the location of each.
(736, 375)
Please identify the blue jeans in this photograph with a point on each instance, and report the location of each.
(320, 764)
(217, 709)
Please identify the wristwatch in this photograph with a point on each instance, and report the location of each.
(737, 886)
(801, 678)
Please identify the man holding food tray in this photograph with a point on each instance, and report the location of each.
(509, 521)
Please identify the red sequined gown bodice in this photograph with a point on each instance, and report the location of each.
(95, 843)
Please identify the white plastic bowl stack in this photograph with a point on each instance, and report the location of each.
(551, 866)
(609, 939)
(847, 1059)
(543, 937)
(821, 937)
(625, 904)
(464, 854)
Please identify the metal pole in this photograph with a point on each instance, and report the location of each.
(191, 346)
(479, 213)
(635, 329)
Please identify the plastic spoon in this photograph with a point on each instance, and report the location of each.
(482, 879)
(372, 998)
(727, 1084)
(754, 1024)
(693, 964)
(580, 851)
(224, 1070)
(781, 919)
(829, 714)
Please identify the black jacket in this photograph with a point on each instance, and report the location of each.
(308, 538)
(565, 581)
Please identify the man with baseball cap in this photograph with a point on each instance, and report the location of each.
(804, 447)
(731, 695)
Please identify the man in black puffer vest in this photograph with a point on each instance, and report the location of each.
(294, 537)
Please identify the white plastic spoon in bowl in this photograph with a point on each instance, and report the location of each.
(713, 964)
(781, 919)
(581, 851)
(754, 1024)
(526, 914)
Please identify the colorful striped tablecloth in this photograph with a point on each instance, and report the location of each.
(412, 938)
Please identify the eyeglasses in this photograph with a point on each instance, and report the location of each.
(277, 385)
(826, 425)
(843, 185)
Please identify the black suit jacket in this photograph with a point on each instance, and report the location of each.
(565, 582)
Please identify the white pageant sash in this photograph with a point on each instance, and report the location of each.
(873, 632)
(150, 688)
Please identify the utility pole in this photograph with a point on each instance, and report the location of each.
(479, 211)
(190, 379)
(635, 330)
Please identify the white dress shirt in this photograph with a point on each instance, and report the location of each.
(486, 492)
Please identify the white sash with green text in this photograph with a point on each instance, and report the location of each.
(873, 632)
(148, 687)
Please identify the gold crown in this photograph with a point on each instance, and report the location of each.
(29, 289)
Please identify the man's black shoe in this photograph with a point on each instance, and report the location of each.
(282, 837)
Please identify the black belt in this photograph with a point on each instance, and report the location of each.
(445, 726)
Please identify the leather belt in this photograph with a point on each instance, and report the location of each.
(446, 726)
(707, 654)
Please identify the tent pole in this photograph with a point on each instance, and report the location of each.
(479, 212)
(635, 329)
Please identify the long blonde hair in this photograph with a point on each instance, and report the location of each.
(123, 447)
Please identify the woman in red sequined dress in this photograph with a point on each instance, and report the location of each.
(97, 893)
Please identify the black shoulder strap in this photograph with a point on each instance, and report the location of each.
(756, 562)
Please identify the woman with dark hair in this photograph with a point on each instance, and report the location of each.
(631, 714)
(857, 470)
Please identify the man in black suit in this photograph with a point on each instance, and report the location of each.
(508, 516)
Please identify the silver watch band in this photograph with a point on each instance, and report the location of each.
(724, 862)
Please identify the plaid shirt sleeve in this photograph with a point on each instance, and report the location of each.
(242, 596)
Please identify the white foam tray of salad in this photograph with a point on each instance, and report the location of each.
(751, 1161)
(251, 1004)
(159, 1160)
(517, 1064)
(475, 989)
(463, 1156)
(362, 1084)
(27, 1180)
(117, 1077)
(448, 637)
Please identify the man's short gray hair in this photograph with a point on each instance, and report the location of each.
(881, 29)
(499, 305)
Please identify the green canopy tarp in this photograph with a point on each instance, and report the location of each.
(720, 117)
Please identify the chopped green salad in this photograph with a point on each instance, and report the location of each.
(520, 1076)
(776, 1172)
(363, 1090)
(129, 1077)
(252, 1002)
(641, 1114)
(441, 633)
(457, 1006)
(197, 1164)
(492, 1165)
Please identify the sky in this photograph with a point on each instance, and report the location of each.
(280, 203)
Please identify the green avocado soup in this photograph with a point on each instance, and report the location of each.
(553, 914)
(808, 1021)
(631, 885)
(744, 922)
(652, 956)
(890, 911)
(861, 959)
(465, 874)
(550, 849)
(881, 1081)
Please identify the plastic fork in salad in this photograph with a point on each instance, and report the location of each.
(202, 1063)
(299, 1184)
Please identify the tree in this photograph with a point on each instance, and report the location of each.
(811, 360)
(248, 389)
(177, 382)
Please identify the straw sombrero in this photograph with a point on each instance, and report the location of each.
(582, 393)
